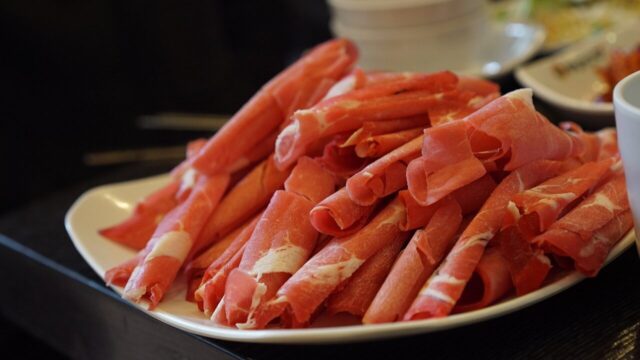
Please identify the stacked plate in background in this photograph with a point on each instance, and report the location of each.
(431, 35)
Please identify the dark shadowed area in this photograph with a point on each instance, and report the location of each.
(75, 76)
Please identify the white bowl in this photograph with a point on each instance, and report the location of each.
(400, 13)
(399, 48)
(626, 98)
(568, 80)
(470, 46)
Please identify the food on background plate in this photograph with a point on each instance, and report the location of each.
(567, 22)
(620, 65)
(483, 198)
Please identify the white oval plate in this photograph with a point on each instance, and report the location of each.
(106, 205)
(568, 79)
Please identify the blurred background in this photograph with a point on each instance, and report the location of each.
(75, 75)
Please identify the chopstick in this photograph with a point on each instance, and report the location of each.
(182, 121)
(134, 155)
(161, 121)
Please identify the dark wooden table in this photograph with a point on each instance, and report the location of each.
(49, 290)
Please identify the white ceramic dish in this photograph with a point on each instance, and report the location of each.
(626, 98)
(568, 80)
(481, 48)
(109, 204)
(400, 13)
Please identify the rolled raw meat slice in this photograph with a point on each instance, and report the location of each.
(542, 205)
(136, 230)
(256, 154)
(269, 108)
(372, 128)
(309, 287)
(490, 282)
(340, 160)
(478, 85)
(470, 198)
(194, 270)
(588, 232)
(172, 242)
(456, 105)
(528, 265)
(338, 215)
(503, 135)
(211, 288)
(608, 143)
(449, 163)
(590, 141)
(443, 289)
(516, 130)
(380, 145)
(418, 260)
(280, 245)
(348, 112)
(243, 201)
(362, 287)
(384, 176)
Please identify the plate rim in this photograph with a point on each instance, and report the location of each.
(324, 335)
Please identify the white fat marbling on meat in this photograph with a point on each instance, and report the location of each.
(594, 242)
(258, 293)
(290, 133)
(396, 216)
(447, 279)
(524, 95)
(478, 239)
(616, 167)
(321, 117)
(513, 210)
(218, 309)
(188, 179)
(543, 258)
(333, 274)
(475, 101)
(175, 244)
(521, 186)
(287, 259)
(342, 87)
(130, 291)
(350, 104)
(607, 137)
(541, 193)
(540, 190)
(552, 199)
(438, 295)
(603, 201)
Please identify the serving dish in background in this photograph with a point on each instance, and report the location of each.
(374, 14)
(432, 35)
(568, 22)
(569, 80)
(489, 50)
